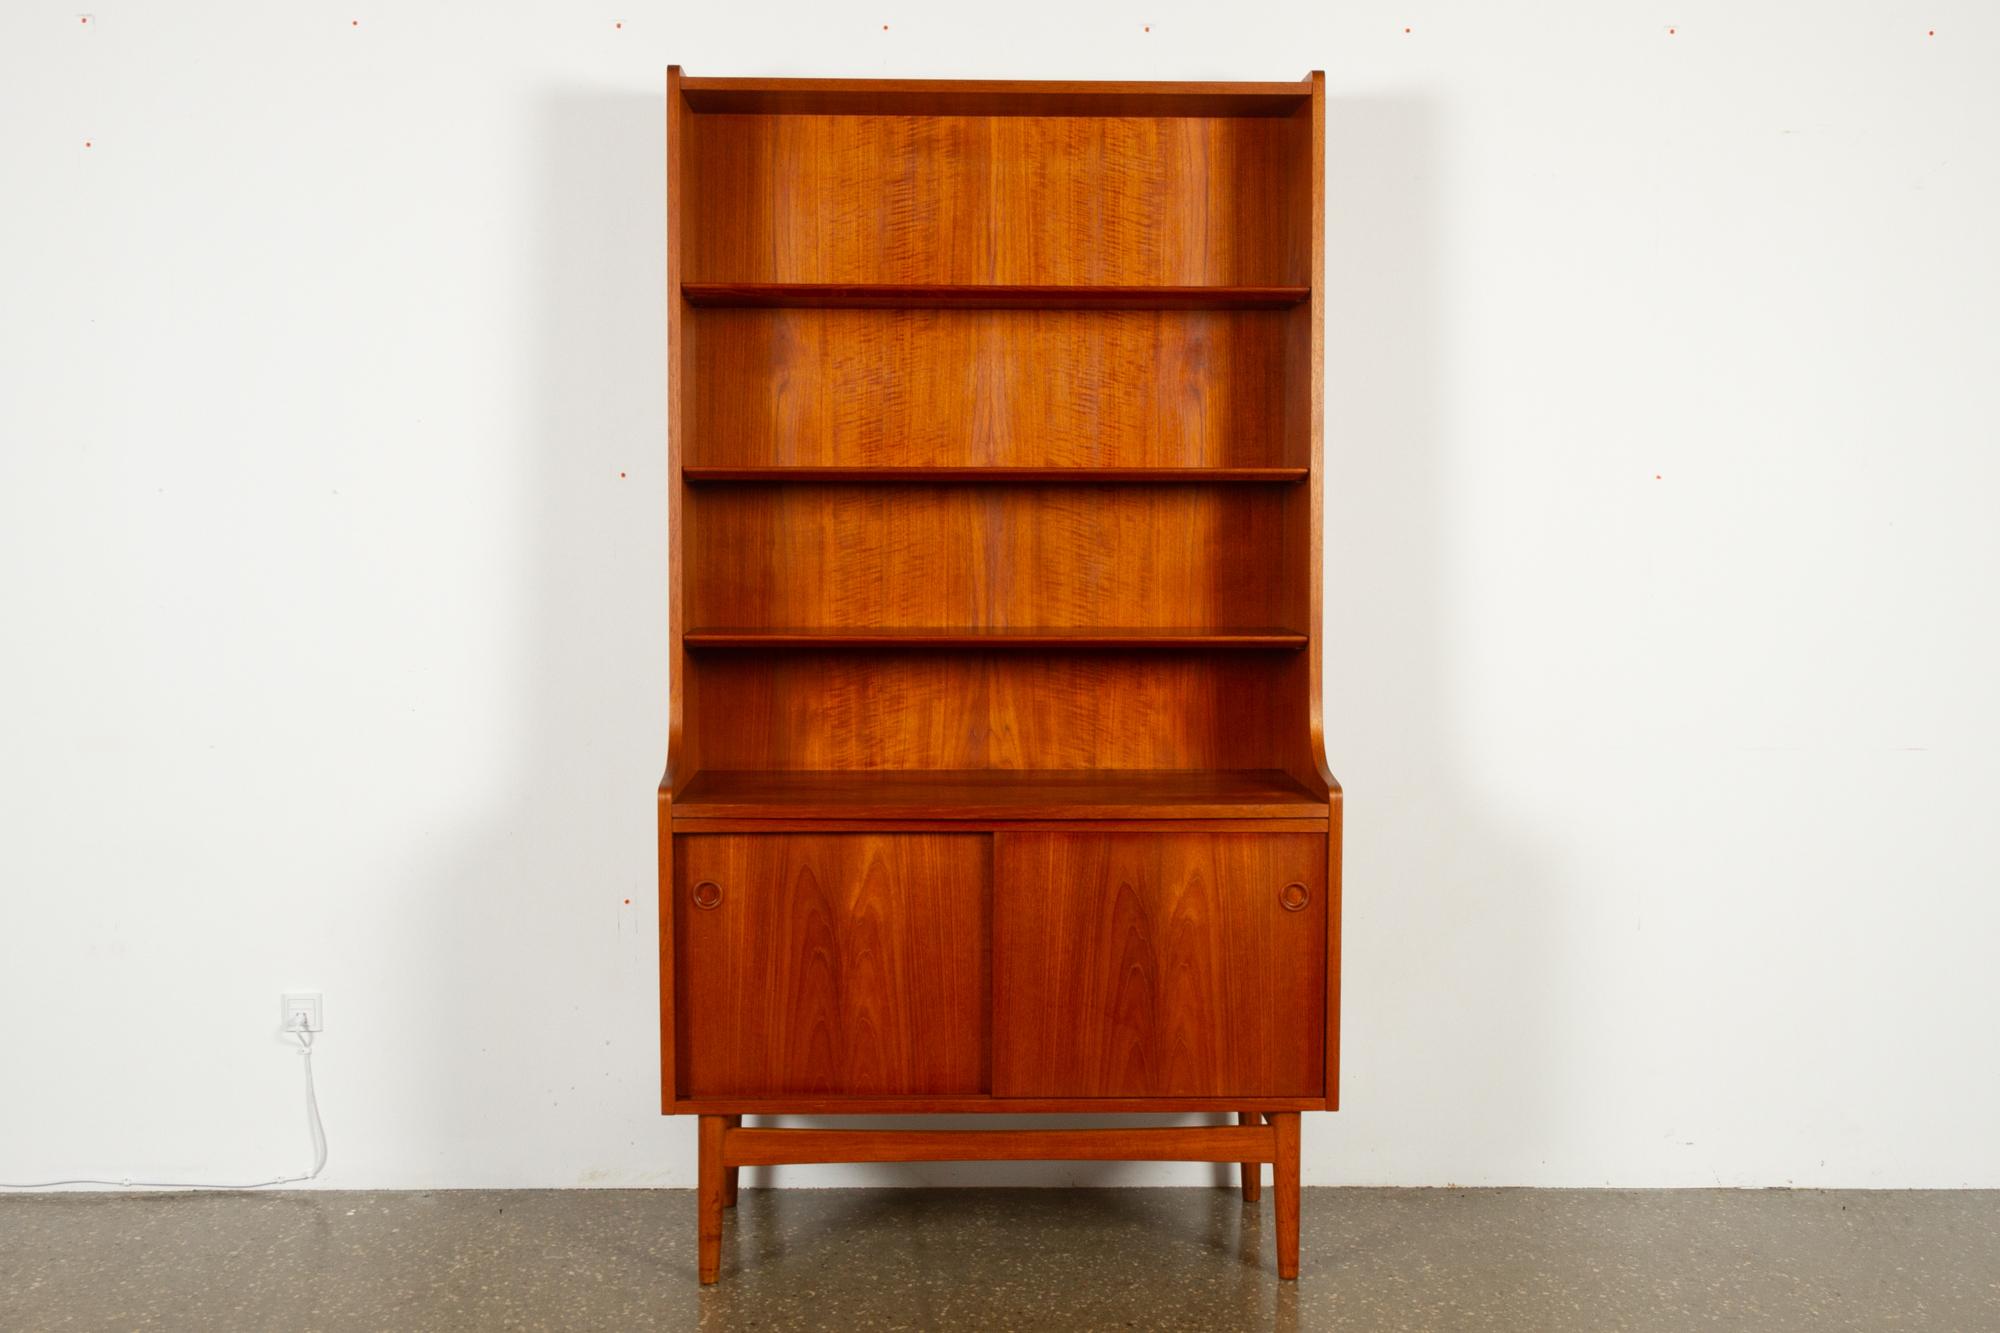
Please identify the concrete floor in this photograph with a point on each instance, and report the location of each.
(1543, 1260)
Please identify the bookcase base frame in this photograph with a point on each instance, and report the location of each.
(726, 1146)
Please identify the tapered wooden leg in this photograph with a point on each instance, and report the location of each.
(1253, 1172)
(729, 1172)
(1285, 1177)
(709, 1198)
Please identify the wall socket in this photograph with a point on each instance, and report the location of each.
(303, 1005)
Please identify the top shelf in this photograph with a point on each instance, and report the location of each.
(990, 296)
(990, 97)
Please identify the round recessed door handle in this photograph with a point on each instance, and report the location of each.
(707, 895)
(1294, 897)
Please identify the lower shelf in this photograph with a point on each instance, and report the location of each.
(996, 794)
(776, 1147)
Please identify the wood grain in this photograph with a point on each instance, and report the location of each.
(980, 794)
(730, 1174)
(1069, 476)
(775, 1147)
(792, 823)
(1252, 1172)
(664, 899)
(677, 742)
(991, 97)
(987, 556)
(1034, 201)
(987, 296)
(996, 508)
(1157, 965)
(884, 709)
(834, 963)
(1285, 1189)
(793, 1104)
(709, 1189)
(1017, 388)
(1335, 832)
(1003, 636)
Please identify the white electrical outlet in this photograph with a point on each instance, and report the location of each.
(303, 1012)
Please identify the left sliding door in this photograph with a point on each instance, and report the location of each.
(831, 964)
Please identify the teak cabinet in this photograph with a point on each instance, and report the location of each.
(996, 780)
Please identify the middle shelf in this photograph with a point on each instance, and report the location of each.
(1260, 638)
(992, 296)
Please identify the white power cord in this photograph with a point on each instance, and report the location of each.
(312, 1120)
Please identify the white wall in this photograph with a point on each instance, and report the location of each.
(1662, 441)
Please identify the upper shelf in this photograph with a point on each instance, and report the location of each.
(990, 296)
(1083, 476)
(991, 97)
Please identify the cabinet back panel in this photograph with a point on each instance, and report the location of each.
(776, 556)
(997, 199)
(888, 709)
(1013, 388)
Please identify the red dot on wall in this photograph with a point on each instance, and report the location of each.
(1406, 30)
(86, 143)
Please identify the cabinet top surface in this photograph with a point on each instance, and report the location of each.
(998, 794)
(989, 97)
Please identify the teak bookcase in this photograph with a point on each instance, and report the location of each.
(996, 780)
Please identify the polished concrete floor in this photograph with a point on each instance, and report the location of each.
(1543, 1260)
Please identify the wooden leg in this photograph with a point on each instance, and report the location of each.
(1285, 1177)
(1253, 1172)
(729, 1173)
(709, 1198)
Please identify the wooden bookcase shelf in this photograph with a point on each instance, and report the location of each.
(1008, 637)
(1065, 476)
(995, 780)
(988, 296)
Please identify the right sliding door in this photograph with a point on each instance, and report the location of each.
(1159, 965)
